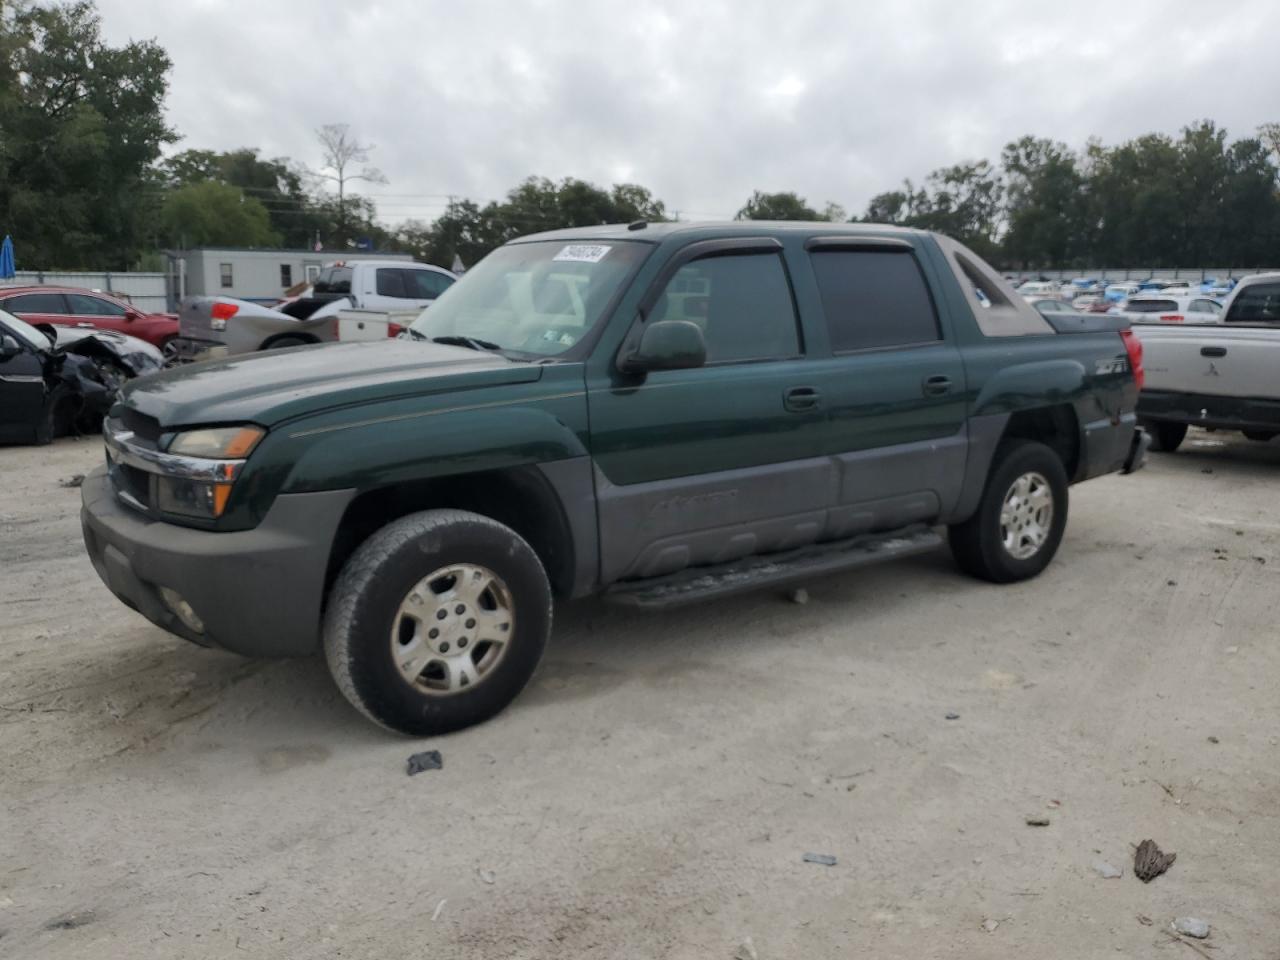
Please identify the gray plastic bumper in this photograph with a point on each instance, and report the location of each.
(256, 592)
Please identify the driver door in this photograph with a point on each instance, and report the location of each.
(707, 465)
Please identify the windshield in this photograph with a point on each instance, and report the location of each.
(24, 331)
(537, 298)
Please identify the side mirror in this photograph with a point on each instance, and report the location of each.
(667, 345)
(9, 348)
(131, 315)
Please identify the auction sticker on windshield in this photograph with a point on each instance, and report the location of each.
(583, 253)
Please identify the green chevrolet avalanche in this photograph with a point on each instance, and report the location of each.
(658, 413)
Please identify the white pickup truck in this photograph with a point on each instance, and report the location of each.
(1224, 376)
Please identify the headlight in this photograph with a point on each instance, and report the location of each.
(205, 492)
(217, 443)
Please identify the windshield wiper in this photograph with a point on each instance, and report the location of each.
(459, 341)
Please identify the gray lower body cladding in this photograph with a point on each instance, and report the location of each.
(258, 592)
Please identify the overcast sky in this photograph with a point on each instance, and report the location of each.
(702, 101)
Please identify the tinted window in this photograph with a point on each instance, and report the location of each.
(334, 280)
(36, 303)
(743, 305)
(1152, 306)
(83, 306)
(1257, 303)
(874, 298)
(426, 284)
(390, 283)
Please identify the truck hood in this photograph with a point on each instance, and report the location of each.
(277, 385)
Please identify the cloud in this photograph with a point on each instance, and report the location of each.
(701, 102)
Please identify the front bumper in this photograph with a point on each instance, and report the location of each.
(257, 592)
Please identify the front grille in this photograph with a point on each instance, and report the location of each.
(135, 484)
(142, 426)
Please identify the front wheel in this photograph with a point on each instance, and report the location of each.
(1021, 518)
(437, 621)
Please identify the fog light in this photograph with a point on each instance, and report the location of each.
(182, 610)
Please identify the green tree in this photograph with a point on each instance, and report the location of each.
(215, 214)
(777, 206)
(277, 183)
(81, 123)
(1046, 223)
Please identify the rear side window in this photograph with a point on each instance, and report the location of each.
(334, 280)
(391, 283)
(51, 303)
(742, 303)
(1257, 303)
(874, 298)
(1204, 306)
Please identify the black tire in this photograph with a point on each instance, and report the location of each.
(279, 343)
(1259, 436)
(1166, 437)
(364, 608)
(978, 545)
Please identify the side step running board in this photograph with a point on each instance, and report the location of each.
(771, 570)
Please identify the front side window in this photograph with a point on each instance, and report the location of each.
(742, 303)
(225, 275)
(538, 299)
(85, 306)
(426, 284)
(874, 299)
(1256, 303)
(47, 303)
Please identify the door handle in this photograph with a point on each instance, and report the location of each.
(797, 399)
(936, 385)
(1213, 351)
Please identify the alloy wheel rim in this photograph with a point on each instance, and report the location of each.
(452, 629)
(1026, 516)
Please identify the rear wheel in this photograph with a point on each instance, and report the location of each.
(279, 343)
(1261, 436)
(437, 621)
(1165, 437)
(1021, 518)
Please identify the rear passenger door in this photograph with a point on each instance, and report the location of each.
(706, 465)
(893, 385)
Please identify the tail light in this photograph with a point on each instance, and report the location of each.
(394, 329)
(221, 313)
(1133, 347)
(1170, 318)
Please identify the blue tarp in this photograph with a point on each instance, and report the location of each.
(7, 268)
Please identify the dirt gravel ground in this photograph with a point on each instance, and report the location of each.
(654, 790)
